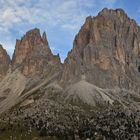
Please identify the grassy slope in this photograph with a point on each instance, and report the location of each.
(19, 132)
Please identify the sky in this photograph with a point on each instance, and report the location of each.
(60, 19)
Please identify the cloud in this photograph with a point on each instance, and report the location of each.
(17, 16)
(110, 1)
(56, 12)
(65, 13)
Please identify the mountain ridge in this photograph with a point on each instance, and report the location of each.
(105, 52)
(94, 94)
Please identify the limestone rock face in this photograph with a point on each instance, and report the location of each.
(4, 62)
(106, 51)
(32, 54)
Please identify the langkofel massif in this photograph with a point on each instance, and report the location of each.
(75, 100)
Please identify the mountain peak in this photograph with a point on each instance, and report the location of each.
(106, 47)
(44, 38)
(32, 53)
(33, 31)
(106, 11)
(30, 42)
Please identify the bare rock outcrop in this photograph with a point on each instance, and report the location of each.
(106, 51)
(32, 54)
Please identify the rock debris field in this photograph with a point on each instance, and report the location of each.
(67, 122)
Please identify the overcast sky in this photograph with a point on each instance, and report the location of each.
(61, 19)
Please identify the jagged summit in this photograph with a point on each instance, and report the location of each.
(112, 11)
(32, 53)
(28, 43)
(35, 38)
(109, 12)
(44, 39)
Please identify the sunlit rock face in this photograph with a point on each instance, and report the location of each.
(32, 54)
(4, 62)
(106, 50)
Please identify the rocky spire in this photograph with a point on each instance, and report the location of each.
(32, 53)
(28, 43)
(44, 39)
